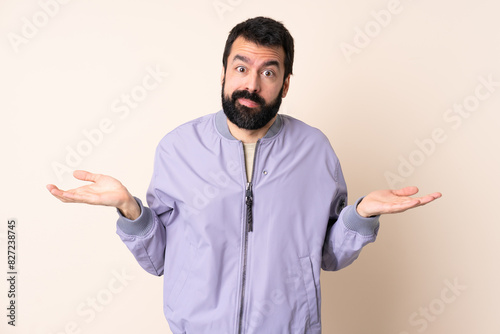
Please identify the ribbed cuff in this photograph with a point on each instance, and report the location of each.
(139, 227)
(355, 222)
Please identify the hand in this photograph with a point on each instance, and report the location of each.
(104, 190)
(392, 201)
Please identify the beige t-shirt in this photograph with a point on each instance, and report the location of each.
(249, 156)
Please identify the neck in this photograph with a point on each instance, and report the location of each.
(249, 136)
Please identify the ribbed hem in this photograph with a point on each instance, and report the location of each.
(355, 222)
(139, 227)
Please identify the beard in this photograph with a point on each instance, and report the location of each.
(249, 118)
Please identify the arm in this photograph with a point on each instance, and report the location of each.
(358, 224)
(352, 227)
(145, 237)
(348, 232)
(138, 226)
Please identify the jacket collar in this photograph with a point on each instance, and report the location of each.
(221, 124)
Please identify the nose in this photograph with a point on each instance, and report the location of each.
(253, 82)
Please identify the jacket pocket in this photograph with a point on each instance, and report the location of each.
(177, 289)
(180, 282)
(311, 291)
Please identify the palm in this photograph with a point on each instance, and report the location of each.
(393, 201)
(104, 190)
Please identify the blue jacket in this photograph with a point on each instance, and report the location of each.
(242, 257)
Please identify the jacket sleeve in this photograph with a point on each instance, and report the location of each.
(347, 231)
(146, 237)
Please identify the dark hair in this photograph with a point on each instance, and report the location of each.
(262, 31)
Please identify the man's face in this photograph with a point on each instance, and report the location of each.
(253, 85)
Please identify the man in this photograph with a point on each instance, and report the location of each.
(245, 205)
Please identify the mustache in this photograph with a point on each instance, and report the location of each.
(237, 94)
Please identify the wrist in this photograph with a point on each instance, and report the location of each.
(130, 209)
(360, 210)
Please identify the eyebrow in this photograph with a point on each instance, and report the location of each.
(272, 63)
(242, 58)
(266, 64)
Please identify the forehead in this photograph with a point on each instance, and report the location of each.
(256, 53)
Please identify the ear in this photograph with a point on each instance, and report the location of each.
(222, 73)
(286, 85)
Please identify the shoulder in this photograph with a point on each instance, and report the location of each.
(303, 136)
(298, 129)
(310, 143)
(200, 127)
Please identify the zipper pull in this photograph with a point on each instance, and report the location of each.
(249, 202)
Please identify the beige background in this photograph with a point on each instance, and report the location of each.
(374, 105)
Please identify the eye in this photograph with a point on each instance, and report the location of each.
(241, 69)
(268, 73)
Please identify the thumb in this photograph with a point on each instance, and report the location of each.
(406, 191)
(85, 176)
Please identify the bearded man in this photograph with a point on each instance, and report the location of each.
(246, 205)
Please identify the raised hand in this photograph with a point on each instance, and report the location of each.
(104, 190)
(393, 201)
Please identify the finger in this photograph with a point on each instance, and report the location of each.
(85, 176)
(429, 198)
(436, 195)
(63, 199)
(400, 207)
(409, 203)
(406, 191)
(58, 193)
(79, 196)
(54, 190)
(50, 187)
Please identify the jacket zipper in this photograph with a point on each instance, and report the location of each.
(248, 228)
(249, 202)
